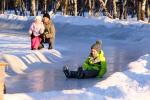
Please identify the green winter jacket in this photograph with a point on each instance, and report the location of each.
(96, 64)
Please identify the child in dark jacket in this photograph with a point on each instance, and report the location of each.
(94, 66)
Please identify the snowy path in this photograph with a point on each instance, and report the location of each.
(74, 43)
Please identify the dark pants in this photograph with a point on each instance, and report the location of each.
(50, 42)
(4, 89)
(84, 74)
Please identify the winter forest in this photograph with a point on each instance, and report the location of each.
(111, 8)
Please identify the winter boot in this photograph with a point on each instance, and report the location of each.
(80, 73)
(66, 71)
(73, 74)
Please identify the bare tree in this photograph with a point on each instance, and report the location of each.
(2, 6)
(37, 6)
(104, 9)
(32, 9)
(114, 8)
(16, 6)
(141, 9)
(90, 7)
(65, 7)
(75, 7)
(149, 10)
(20, 7)
(122, 9)
(45, 6)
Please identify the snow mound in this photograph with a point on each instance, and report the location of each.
(20, 62)
(141, 65)
(15, 63)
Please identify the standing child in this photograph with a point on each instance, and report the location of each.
(94, 66)
(36, 29)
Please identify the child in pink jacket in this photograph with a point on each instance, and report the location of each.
(36, 29)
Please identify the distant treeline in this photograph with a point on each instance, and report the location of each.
(111, 8)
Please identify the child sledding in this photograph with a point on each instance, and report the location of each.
(94, 66)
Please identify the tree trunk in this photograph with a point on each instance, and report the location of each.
(75, 7)
(139, 4)
(2, 8)
(58, 4)
(143, 10)
(114, 9)
(93, 7)
(123, 9)
(149, 10)
(15, 6)
(45, 6)
(90, 7)
(4, 5)
(104, 9)
(65, 7)
(32, 10)
(37, 6)
(22, 8)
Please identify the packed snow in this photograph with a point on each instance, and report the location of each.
(125, 43)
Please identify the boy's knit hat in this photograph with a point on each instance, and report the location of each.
(97, 45)
(46, 15)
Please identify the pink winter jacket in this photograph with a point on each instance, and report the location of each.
(36, 28)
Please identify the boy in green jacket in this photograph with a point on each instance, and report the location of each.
(94, 66)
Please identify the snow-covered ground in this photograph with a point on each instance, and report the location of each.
(37, 75)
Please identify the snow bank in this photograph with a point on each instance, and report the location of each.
(100, 21)
(18, 63)
(24, 22)
(133, 84)
(136, 31)
(141, 65)
(11, 20)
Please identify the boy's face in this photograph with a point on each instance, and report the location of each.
(94, 53)
(45, 19)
